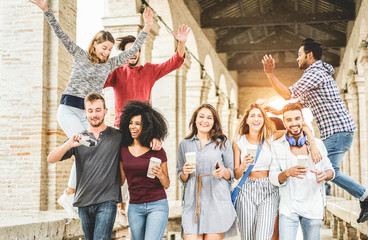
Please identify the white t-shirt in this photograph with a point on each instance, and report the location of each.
(264, 158)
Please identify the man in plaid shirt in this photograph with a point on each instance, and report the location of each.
(317, 90)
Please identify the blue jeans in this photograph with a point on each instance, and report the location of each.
(98, 220)
(71, 119)
(288, 227)
(336, 146)
(148, 220)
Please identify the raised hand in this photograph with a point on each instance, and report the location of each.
(182, 34)
(148, 19)
(268, 64)
(41, 4)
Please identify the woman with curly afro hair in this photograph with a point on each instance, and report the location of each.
(148, 209)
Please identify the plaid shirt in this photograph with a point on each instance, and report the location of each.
(317, 90)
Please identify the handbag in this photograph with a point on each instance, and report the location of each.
(236, 190)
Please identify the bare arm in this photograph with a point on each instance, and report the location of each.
(315, 153)
(268, 67)
(237, 171)
(241, 167)
(182, 37)
(148, 19)
(57, 154)
(272, 110)
(162, 174)
(122, 173)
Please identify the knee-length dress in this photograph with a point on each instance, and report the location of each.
(205, 193)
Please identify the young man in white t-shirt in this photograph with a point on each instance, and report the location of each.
(301, 183)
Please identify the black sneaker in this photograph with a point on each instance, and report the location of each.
(363, 216)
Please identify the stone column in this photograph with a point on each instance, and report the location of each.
(206, 85)
(351, 154)
(363, 81)
(351, 232)
(181, 124)
(359, 82)
(232, 121)
(123, 18)
(220, 103)
(213, 97)
(196, 94)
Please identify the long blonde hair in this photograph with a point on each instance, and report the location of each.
(267, 130)
(100, 37)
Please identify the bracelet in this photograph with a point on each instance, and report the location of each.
(241, 169)
(324, 173)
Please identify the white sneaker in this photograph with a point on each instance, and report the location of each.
(66, 201)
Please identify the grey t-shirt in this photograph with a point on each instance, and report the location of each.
(98, 172)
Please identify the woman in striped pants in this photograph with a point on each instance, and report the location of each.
(257, 201)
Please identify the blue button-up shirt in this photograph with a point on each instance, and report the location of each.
(217, 213)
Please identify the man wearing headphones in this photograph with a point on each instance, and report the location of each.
(318, 90)
(300, 181)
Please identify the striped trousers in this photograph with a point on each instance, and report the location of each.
(257, 206)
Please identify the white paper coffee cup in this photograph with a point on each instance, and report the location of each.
(191, 157)
(153, 162)
(252, 152)
(303, 160)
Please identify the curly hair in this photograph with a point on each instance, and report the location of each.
(153, 125)
(216, 134)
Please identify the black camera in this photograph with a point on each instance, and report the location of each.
(87, 141)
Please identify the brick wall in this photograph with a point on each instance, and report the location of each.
(29, 92)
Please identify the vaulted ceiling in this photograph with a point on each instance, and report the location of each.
(247, 29)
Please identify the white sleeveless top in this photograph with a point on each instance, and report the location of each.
(264, 158)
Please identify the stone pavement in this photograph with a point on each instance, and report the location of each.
(326, 234)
